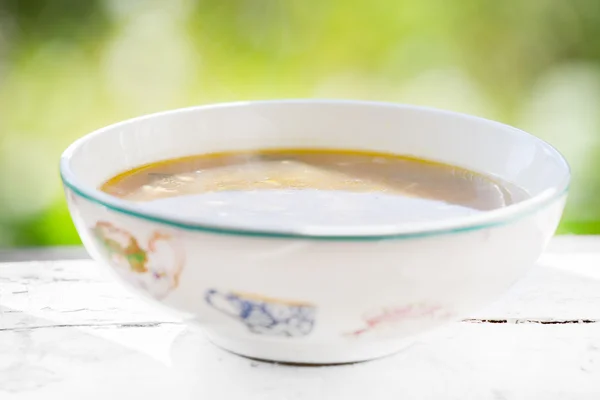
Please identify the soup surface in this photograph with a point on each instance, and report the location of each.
(298, 188)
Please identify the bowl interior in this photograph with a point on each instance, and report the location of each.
(473, 143)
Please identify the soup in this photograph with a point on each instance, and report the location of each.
(295, 188)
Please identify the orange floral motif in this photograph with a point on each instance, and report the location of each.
(71, 196)
(156, 268)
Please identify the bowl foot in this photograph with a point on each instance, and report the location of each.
(292, 352)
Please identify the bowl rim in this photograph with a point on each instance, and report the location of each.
(488, 219)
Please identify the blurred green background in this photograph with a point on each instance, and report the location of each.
(68, 67)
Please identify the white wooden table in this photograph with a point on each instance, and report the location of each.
(68, 332)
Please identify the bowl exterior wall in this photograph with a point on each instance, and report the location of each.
(313, 301)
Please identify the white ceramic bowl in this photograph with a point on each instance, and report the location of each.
(315, 296)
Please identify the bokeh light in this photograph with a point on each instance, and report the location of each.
(68, 67)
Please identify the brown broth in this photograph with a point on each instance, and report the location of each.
(330, 174)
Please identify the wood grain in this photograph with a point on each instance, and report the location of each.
(68, 331)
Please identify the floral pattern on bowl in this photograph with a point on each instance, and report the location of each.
(155, 268)
(388, 317)
(263, 315)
